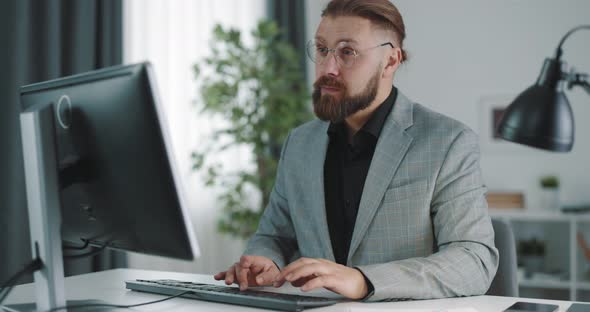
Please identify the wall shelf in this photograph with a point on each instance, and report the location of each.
(537, 283)
(583, 285)
(528, 215)
(539, 217)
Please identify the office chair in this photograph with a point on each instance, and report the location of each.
(505, 282)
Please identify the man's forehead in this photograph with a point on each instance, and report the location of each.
(351, 29)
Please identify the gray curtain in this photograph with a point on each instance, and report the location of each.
(42, 40)
(290, 16)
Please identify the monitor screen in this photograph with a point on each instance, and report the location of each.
(117, 180)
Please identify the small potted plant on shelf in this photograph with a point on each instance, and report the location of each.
(531, 256)
(550, 193)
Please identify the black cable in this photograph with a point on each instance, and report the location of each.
(32, 266)
(88, 254)
(559, 51)
(7, 286)
(86, 244)
(37, 264)
(118, 305)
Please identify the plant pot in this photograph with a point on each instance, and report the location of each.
(532, 264)
(550, 199)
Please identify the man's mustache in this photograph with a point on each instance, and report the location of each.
(327, 81)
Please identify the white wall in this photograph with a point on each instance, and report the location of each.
(463, 50)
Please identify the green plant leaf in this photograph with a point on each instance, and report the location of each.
(260, 91)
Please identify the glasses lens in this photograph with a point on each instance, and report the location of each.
(312, 51)
(346, 54)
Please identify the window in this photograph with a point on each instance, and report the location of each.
(174, 35)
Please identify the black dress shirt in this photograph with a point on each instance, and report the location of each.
(345, 170)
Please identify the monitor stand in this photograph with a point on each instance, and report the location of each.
(31, 307)
(42, 189)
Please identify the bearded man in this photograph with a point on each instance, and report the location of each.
(379, 198)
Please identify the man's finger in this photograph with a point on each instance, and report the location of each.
(265, 278)
(229, 275)
(300, 282)
(294, 266)
(324, 281)
(242, 275)
(219, 276)
(308, 271)
(280, 280)
(257, 268)
(247, 261)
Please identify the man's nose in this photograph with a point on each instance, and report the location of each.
(330, 65)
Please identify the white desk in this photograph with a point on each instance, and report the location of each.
(109, 286)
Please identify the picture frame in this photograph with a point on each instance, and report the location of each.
(491, 110)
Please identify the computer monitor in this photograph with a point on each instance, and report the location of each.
(99, 167)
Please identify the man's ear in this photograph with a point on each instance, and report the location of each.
(392, 63)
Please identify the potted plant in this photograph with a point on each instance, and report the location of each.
(531, 256)
(550, 193)
(261, 92)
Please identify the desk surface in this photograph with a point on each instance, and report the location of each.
(109, 286)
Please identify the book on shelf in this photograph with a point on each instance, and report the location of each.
(505, 199)
(576, 209)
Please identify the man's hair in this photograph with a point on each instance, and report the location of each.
(381, 13)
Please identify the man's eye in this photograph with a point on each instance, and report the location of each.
(347, 51)
(322, 50)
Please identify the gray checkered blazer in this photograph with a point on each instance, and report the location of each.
(422, 229)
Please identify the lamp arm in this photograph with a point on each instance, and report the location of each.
(559, 50)
(578, 79)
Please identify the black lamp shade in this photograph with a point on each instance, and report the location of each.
(541, 116)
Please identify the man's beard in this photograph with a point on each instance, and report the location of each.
(328, 107)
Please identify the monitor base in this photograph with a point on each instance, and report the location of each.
(29, 307)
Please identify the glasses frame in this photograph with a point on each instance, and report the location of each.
(311, 46)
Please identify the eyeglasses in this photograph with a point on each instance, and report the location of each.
(344, 52)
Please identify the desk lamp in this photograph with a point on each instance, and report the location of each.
(541, 115)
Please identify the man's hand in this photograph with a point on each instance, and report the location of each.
(316, 273)
(250, 271)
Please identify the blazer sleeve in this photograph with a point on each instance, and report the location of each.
(275, 237)
(465, 259)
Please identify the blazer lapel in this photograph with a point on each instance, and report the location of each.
(319, 147)
(391, 148)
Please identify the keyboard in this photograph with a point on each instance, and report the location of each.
(231, 295)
